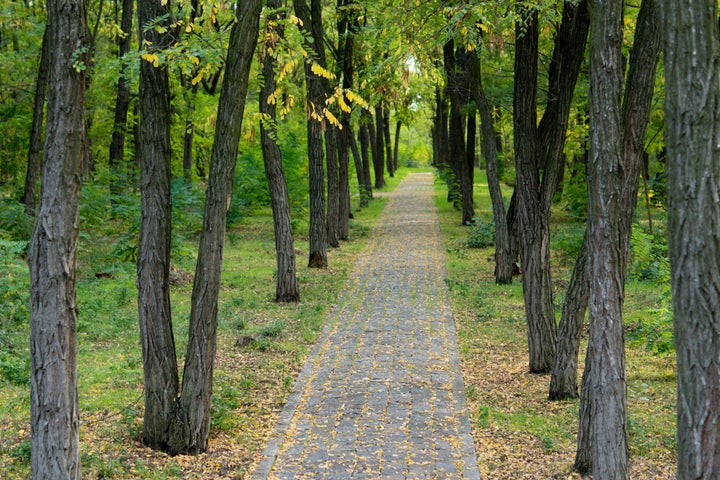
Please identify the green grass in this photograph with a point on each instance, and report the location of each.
(517, 430)
(251, 382)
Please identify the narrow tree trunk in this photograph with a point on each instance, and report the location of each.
(365, 145)
(379, 151)
(33, 165)
(398, 126)
(534, 224)
(315, 87)
(191, 426)
(333, 186)
(636, 107)
(503, 261)
(116, 158)
(286, 287)
(692, 113)
(344, 212)
(469, 174)
(388, 142)
(153, 262)
(52, 256)
(189, 133)
(606, 380)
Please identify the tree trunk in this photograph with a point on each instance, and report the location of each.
(52, 256)
(191, 426)
(344, 211)
(636, 107)
(153, 262)
(606, 381)
(333, 186)
(504, 262)
(116, 158)
(469, 174)
(33, 166)
(315, 87)
(346, 26)
(388, 142)
(398, 126)
(692, 113)
(534, 223)
(379, 150)
(190, 93)
(286, 287)
(365, 145)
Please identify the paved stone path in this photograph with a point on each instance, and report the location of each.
(382, 394)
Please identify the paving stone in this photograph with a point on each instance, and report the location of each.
(382, 394)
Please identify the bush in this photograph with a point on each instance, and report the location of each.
(648, 257)
(482, 233)
(14, 223)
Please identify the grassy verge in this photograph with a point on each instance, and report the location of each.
(252, 378)
(519, 433)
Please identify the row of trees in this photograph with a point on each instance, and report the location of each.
(443, 47)
(618, 107)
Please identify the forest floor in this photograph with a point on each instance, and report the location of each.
(262, 346)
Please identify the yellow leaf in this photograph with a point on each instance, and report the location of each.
(195, 60)
(197, 78)
(322, 72)
(332, 118)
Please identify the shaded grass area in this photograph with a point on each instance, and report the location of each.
(519, 433)
(252, 378)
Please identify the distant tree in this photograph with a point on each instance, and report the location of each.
(504, 263)
(538, 152)
(116, 156)
(52, 256)
(692, 112)
(378, 152)
(315, 88)
(33, 159)
(286, 289)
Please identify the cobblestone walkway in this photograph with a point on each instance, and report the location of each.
(382, 394)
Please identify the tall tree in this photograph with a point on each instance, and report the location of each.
(33, 159)
(286, 288)
(122, 100)
(637, 102)
(605, 246)
(535, 256)
(190, 428)
(182, 423)
(311, 25)
(636, 107)
(692, 113)
(52, 256)
(378, 153)
(537, 156)
(153, 261)
(503, 261)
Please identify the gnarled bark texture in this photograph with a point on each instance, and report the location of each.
(286, 286)
(315, 89)
(692, 113)
(606, 381)
(191, 426)
(153, 262)
(52, 256)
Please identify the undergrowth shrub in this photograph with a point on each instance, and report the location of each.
(14, 223)
(648, 256)
(482, 233)
(654, 328)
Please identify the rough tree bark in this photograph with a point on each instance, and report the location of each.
(153, 262)
(315, 89)
(636, 112)
(606, 380)
(52, 256)
(286, 287)
(692, 113)
(534, 225)
(503, 261)
(33, 164)
(378, 152)
(191, 425)
(122, 100)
